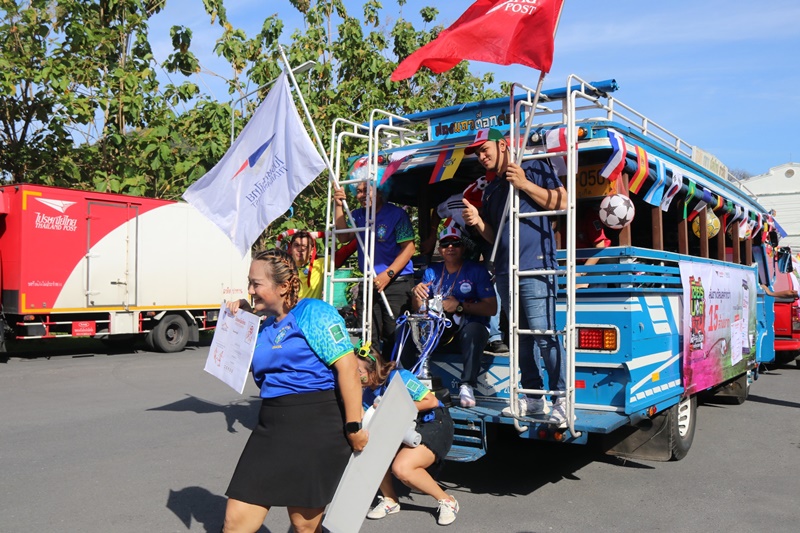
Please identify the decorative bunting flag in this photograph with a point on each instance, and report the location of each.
(655, 192)
(396, 159)
(619, 151)
(673, 190)
(695, 208)
(446, 165)
(642, 171)
(556, 141)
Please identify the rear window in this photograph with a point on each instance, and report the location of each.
(785, 282)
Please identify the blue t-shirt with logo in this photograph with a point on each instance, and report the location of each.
(537, 244)
(415, 388)
(471, 283)
(392, 228)
(295, 355)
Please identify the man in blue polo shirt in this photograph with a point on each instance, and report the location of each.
(540, 190)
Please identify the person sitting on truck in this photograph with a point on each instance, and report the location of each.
(434, 426)
(300, 447)
(394, 247)
(540, 190)
(468, 298)
(474, 247)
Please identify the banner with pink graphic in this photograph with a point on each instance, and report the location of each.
(719, 323)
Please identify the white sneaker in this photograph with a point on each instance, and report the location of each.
(526, 406)
(383, 508)
(558, 415)
(447, 512)
(466, 396)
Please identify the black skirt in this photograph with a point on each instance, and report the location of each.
(296, 455)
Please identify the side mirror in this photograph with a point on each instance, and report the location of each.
(784, 256)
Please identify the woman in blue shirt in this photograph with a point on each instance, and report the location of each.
(434, 426)
(298, 451)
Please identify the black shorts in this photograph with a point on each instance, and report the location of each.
(296, 455)
(437, 434)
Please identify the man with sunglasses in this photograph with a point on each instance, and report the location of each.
(468, 298)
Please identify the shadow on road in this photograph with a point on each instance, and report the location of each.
(244, 411)
(84, 347)
(199, 505)
(516, 466)
(772, 401)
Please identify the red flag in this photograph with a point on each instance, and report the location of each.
(495, 31)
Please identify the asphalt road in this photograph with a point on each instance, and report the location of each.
(138, 441)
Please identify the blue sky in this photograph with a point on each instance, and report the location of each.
(724, 75)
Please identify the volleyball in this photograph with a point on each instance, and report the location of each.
(712, 223)
(616, 211)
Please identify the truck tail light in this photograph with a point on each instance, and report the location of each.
(597, 339)
(796, 323)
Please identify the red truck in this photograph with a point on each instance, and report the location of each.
(787, 318)
(88, 264)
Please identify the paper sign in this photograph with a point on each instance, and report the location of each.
(232, 347)
(366, 469)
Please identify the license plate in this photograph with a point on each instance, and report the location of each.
(590, 184)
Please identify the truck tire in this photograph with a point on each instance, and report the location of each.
(170, 334)
(682, 423)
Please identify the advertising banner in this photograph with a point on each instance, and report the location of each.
(719, 323)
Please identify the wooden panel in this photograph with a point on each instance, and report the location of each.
(736, 249)
(703, 233)
(658, 228)
(624, 233)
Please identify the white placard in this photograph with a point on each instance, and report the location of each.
(232, 347)
(366, 469)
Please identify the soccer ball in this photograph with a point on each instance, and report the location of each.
(712, 223)
(616, 211)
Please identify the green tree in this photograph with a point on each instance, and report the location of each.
(81, 105)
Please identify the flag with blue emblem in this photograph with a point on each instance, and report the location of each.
(261, 174)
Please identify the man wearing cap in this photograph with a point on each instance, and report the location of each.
(539, 190)
(468, 296)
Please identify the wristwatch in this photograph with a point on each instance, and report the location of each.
(459, 309)
(352, 427)
(390, 273)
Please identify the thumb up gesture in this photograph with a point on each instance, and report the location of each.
(470, 213)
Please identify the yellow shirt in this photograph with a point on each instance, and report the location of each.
(315, 290)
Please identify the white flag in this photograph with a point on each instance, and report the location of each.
(261, 174)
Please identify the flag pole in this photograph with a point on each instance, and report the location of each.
(518, 154)
(331, 175)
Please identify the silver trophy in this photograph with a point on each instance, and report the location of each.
(425, 334)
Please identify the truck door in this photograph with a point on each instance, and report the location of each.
(112, 253)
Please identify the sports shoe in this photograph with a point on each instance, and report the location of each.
(558, 414)
(465, 396)
(526, 406)
(383, 508)
(447, 512)
(496, 347)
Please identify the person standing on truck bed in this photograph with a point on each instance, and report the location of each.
(300, 447)
(540, 190)
(394, 247)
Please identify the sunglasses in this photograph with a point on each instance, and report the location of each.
(364, 352)
(453, 243)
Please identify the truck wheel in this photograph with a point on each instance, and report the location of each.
(682, 422)
(170, 334)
